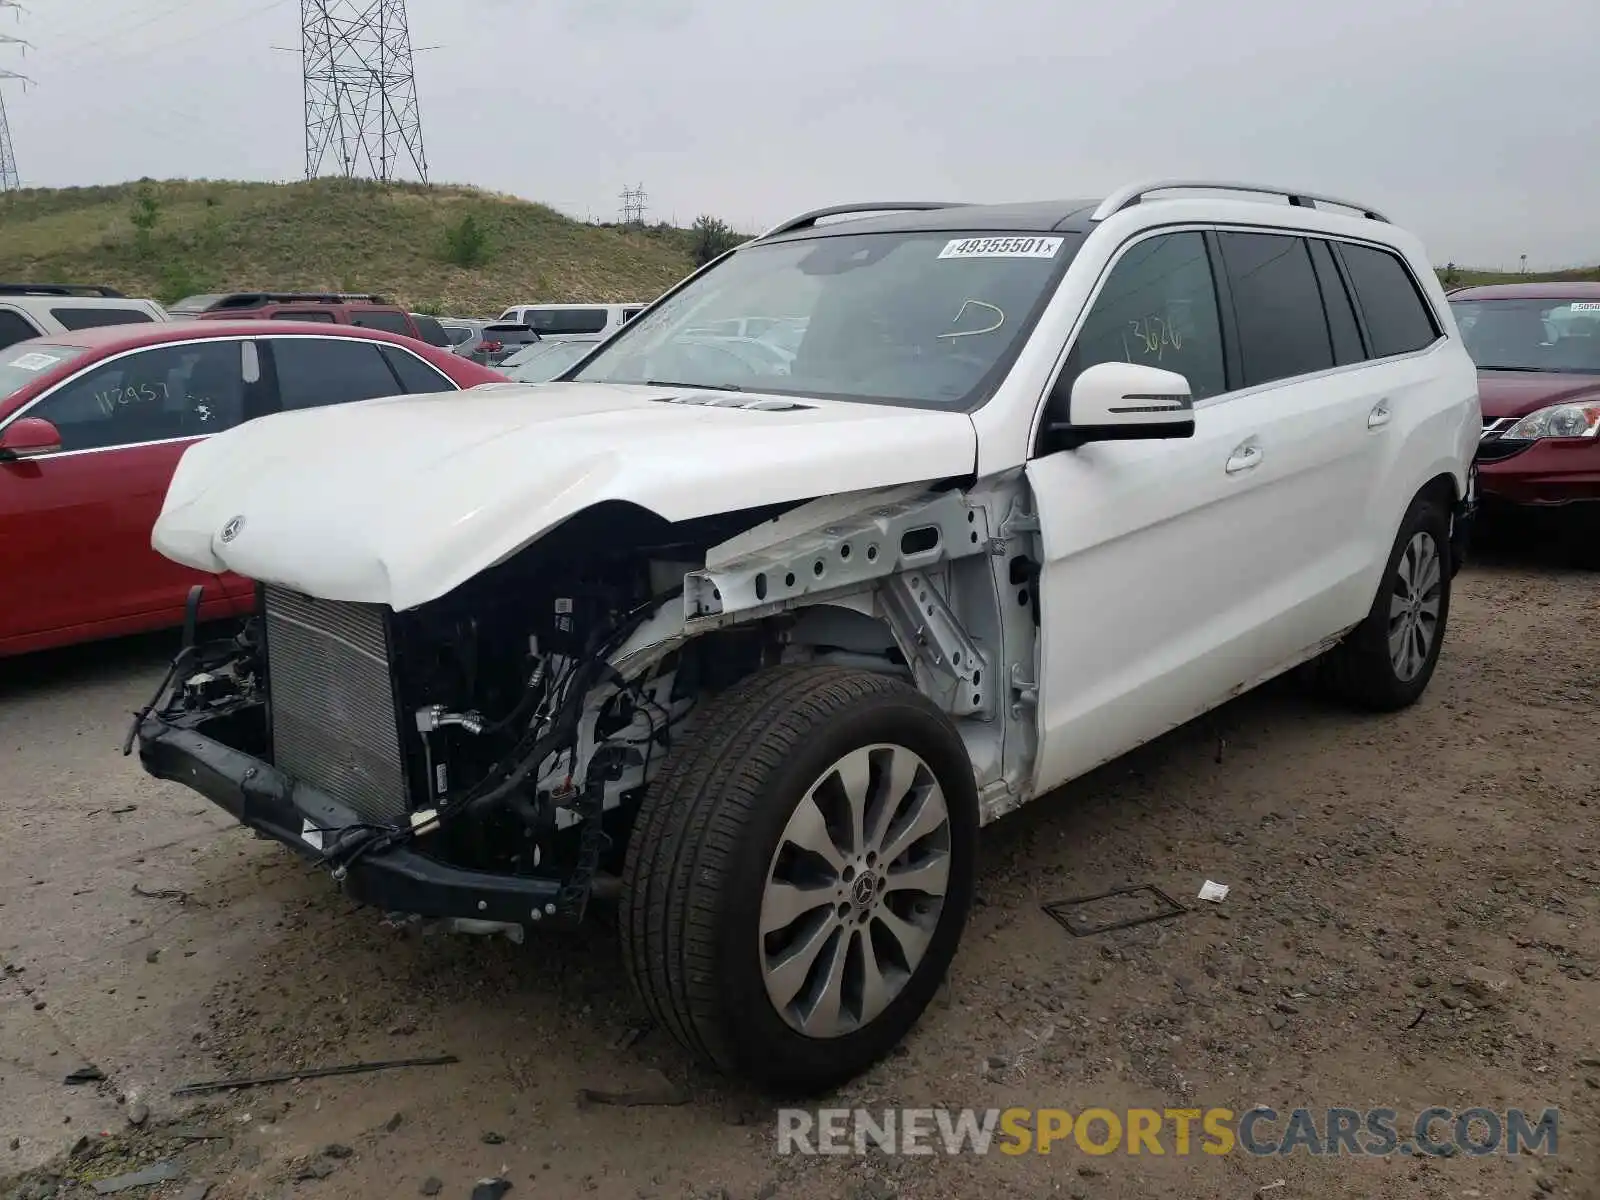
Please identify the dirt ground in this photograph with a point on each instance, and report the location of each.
(1414, 920)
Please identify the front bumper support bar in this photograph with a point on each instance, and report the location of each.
(396, 879)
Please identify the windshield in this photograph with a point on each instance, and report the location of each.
(1531, 335)
(543, 362)
(922, 319)
(21, 364)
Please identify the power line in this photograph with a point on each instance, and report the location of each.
(360, 89)
(10, 180)
(633, 205)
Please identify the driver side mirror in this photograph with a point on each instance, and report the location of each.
(28, 437)
(1117, 401)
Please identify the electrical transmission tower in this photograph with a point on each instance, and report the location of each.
(633, 205)
(361, 93)
(9, 179)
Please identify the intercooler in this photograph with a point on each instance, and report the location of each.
(333, 716)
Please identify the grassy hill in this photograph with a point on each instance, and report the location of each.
(178, 238)
(172, 239)
(1469, 277)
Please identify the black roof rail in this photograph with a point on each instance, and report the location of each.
(60, 289)
(807, 220)
(258, 299)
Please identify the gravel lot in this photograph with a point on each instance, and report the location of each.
(1414, 920)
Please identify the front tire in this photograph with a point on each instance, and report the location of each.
(799, 875)
(1385, 663)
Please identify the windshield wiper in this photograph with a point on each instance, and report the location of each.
(699, 387)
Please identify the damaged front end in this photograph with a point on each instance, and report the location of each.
(479, 759)
(476, 759)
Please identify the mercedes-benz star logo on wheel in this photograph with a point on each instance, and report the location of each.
(231, 529)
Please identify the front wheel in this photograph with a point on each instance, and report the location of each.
(1385, 663)
(800, 873)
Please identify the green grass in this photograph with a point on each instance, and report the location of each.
(1472, 277)
(329, 235)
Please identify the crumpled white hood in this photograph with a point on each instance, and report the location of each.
(399, 501)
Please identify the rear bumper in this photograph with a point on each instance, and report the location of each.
(398, 879)
(1550, 471)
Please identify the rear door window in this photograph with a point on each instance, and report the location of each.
(1336, 304)
(14, 328)
(304, 315)
(1277, 306)
(93, 318)
(1398, 319)
(313, 371)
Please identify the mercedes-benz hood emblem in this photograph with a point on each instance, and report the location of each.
(231, 529)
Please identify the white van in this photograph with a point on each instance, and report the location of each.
(564, 320)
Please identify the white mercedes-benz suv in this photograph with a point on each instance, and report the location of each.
(752, 644)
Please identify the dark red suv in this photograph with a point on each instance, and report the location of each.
(1537, 346)
(361, 309)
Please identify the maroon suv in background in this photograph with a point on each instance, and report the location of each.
(1537, 346)
(361, 309)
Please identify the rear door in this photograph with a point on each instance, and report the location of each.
(87, 567)
(1321, 424)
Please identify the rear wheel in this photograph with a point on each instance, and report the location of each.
(1385, 663)
(800, 874)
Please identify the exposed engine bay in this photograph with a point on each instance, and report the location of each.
(510, 726)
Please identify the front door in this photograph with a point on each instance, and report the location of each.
(1153, 554)
(77, 523)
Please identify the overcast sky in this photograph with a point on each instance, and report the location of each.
(1474, 123)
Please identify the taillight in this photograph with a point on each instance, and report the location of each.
(493, 347)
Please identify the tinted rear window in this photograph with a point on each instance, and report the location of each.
(92, 318)
(1398, 320)
(566, 320)
(1277, 306)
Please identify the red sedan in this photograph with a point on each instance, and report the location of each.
(92, 424)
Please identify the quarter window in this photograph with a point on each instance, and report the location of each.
(415, 375)
(1159, 308)
(14, 328)
(1277, 307)
(153, 395)
(314, 371)
(1398, 319)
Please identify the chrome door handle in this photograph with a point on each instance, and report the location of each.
(1245, 457)
(1379, 416)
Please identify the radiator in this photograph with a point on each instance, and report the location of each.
(333, 718)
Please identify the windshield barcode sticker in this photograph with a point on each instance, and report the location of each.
(34, 362)
(1001, 247)
(1579, 306)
